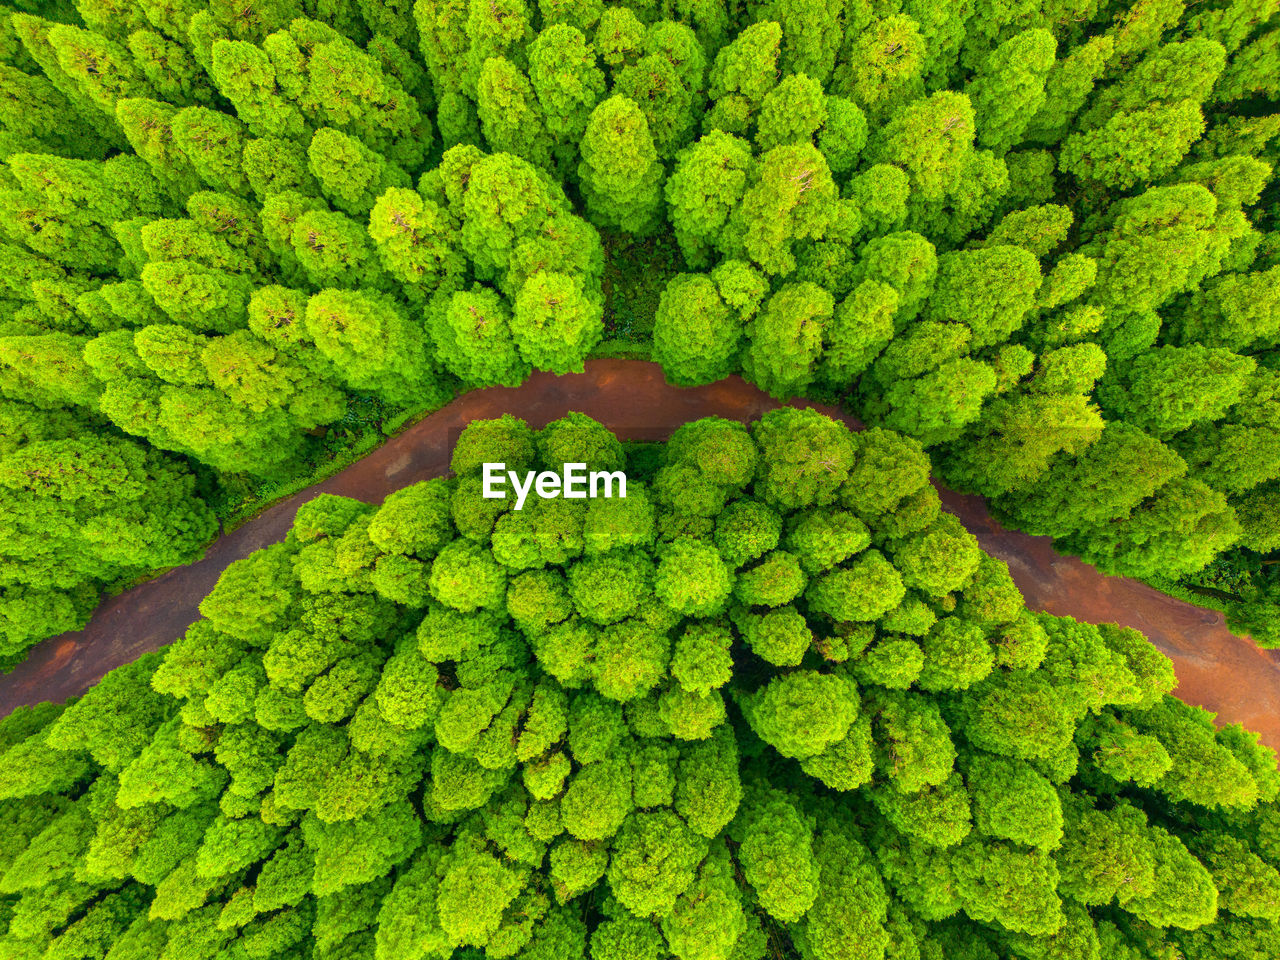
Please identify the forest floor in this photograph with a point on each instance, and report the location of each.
(1216, 669)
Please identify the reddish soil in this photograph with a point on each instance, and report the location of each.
(1216, 669)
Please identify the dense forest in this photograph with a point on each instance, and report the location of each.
(772, 704)
(1039, 238)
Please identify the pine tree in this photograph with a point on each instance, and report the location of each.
(373, 344)
(510, 116)
(351, 175)
(620, 173)
(567, 82)
(882, 67)
(555, 323)
(1010, 88)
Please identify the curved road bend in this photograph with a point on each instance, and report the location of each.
(1216, 669)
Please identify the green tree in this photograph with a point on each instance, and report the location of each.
(555, 322)
(620, 173)
(792, 112)
(695, 333)
(566, 81)
(791, 197)
(931, 139)
(472, 333)
(777, 858)
(785, 339)
(374, 344)
(882, 66)
(1009, 89)
(511, 117)
(692, 578)
(743, 72)
(350, 175)
(708, 182)
(1168, 389)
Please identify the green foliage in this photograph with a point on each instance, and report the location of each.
(230, 234)
(673, 742)
(1009, 88)
(695, 332)
(80, 511)
(555, 323)
(1038, 242)
(692, 578)
(620, 173)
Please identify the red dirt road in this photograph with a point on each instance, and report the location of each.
(1216, 669)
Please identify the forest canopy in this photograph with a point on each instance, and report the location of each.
(772, 704)
(240, 238)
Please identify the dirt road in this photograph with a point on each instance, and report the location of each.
(1216, 669)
